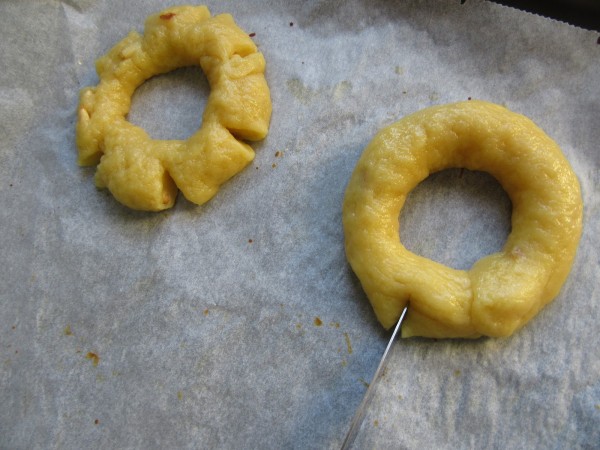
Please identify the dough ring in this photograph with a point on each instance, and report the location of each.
(144, 173)
(502, 291)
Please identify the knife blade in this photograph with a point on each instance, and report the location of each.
(359, 415)
(580, 13)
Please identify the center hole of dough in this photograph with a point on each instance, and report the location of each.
(170, 106)
(456, 217)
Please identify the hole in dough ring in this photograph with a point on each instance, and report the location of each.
(144, 173)
(502, 291)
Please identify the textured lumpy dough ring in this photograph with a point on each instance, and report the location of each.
(502, 291)
(144, 173)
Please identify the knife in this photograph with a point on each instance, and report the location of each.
(580, 13)
(359, 415)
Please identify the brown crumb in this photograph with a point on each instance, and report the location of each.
(95, 358)
(96, 422)
(205, 312)
(318, 322)
(250, 241)
(167, 16)
(252, 34)
(273, 165)
(278, 154)
(348, 343)
(376, 423)
(291, 24)
(469, 98)
(68, 331)
(457, 373)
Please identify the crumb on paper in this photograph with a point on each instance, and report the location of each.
(94, 357)
(348, 343)
(67, 331)
(318, 322)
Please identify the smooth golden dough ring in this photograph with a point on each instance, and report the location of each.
(502, 291)
(144, 173)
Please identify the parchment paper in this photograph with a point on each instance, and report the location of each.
(238, 324)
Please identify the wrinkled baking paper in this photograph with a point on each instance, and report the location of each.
(238, 324)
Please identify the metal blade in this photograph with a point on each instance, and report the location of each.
(580, 13)
(359, 415)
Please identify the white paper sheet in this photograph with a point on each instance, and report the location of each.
(204, 339)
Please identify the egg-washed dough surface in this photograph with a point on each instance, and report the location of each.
(502, 291)
(144, 173)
